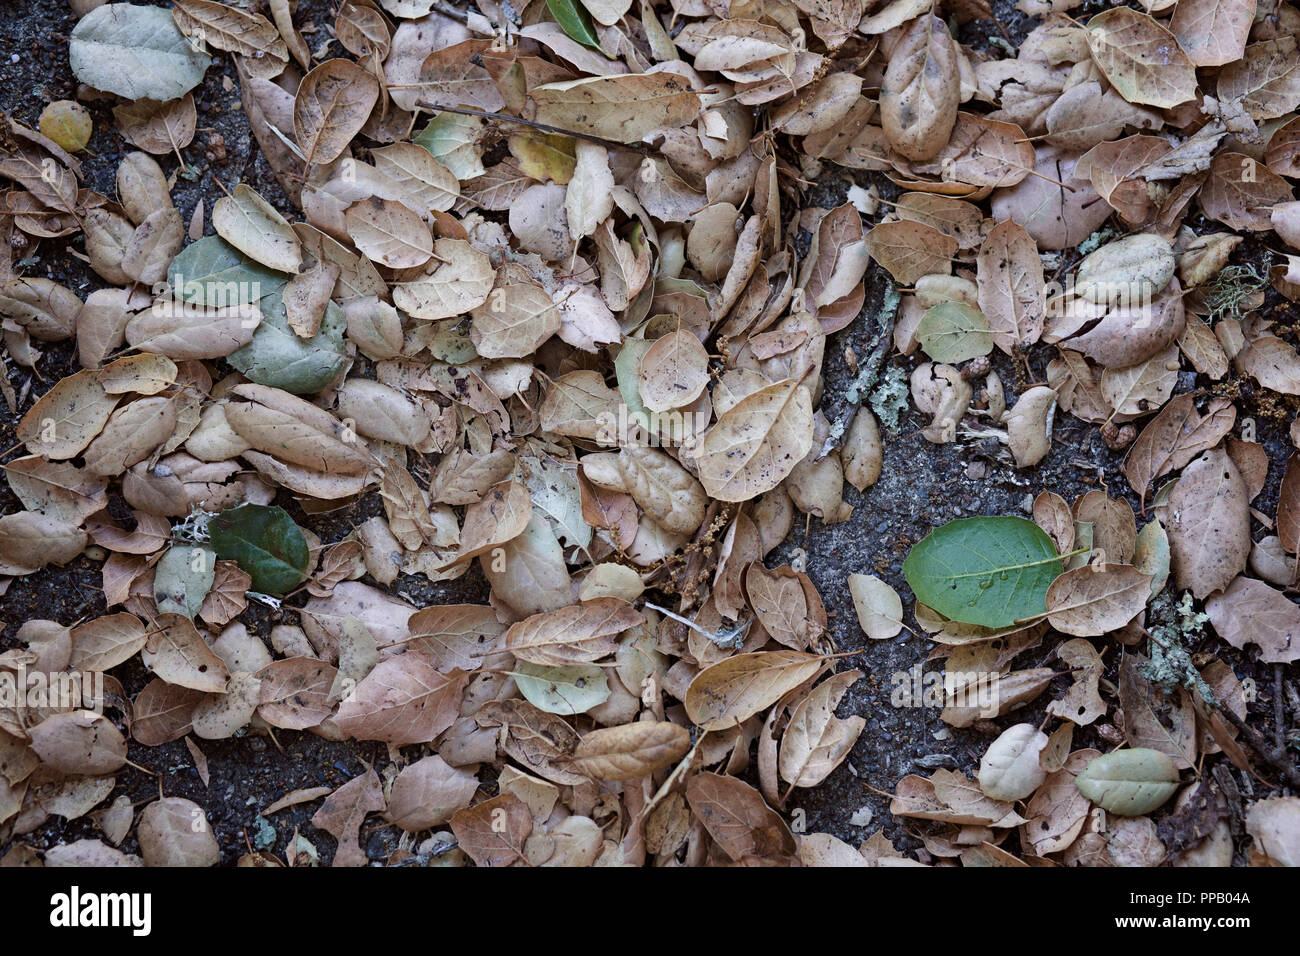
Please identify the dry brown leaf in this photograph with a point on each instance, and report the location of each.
(333, 102)
(1093, 600)
(1213, 32)
(919, 98)
(459, 280)
(29, 541)
(174, 831)
(779, 600)
(155, 127)
(426, 793)
(345, 810)
(815, 740)
(910, 249)
(389, 233)
(105, 642)
(1265, 82)
(295, 693)
(673, 371)
(514, 321)
(175, 651)
(1163, 721)
(493, 832)
(1082, 704)
(577, 634)
(1241, 192)
(756, 443)
(67, 417)
(737, 818)
(254, 227)
(1174, 437)
(1251, 612)
(622, 108)
(402, 701)
(733, 690)
(79, 742)
(1141, 58)
(250, 35)
(1011, 287)
(1209, 527)
(631, 750)
(667, 492)
(161, 712)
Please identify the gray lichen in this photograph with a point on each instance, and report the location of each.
(1172, 627)
(889, 401)
(1093, 242)
(1231, 289)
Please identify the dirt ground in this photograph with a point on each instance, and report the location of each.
(922, 485)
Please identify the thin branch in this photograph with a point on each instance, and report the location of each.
(1276, 757)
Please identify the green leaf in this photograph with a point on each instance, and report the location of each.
(1129, 783)
(1151, 555)
(183, 577)
(450, 342)
(574, 20)
(562, 690)
(280, 358)
(136, 52)
(554, 489)
(986, 571)
(265, 542)
(211, 272)
(452, 139)
(626, 365)
(954, 332)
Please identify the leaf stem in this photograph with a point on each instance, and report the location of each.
(1014, 567)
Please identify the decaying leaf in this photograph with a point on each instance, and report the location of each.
(549, 339)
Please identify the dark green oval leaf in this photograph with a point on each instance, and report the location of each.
(265, 542)
(574, 20)
(986, 571)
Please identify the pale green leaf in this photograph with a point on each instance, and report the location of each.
(136, 52)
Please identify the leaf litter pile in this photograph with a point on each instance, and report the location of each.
(548, 284)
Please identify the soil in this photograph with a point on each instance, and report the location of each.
(921, 485)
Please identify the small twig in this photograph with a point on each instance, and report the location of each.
(1001, 28)
(1279, 709)
(447, 10)
(1276, 757)
(733, 638)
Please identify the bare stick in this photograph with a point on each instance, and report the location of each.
(1276, 757)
